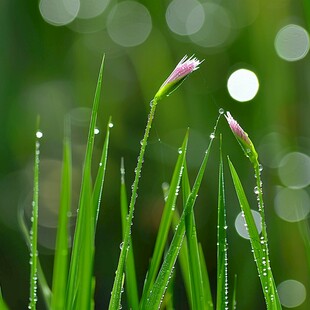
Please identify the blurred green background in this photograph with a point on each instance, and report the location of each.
(50, 57)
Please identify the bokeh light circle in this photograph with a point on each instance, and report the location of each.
(241, 227)
(292, 205)
(185, 17)
(216, 28)
(292, 293)
(243, 85)
(59, 12)
(294, 170)
(292, 42)
(92, 8)
(129, 23)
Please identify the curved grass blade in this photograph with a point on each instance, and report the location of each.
(259, 251)
(131, 279)
(97, 192)
(222, 280)
(157, 292)
(45, 289)
(60, 271)
(165, 222)
(80, 279)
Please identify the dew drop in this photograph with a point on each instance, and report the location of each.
(256, 190)
(121, 245)
(96, 131)
(221, 111)
(212, 135)
(39, 134)
(111, 125)
(180, 151)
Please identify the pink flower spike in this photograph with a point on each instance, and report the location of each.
(237, 130)
(178, 75)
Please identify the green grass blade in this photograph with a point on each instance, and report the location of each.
(34, 230)
(259, 251)
(79, 280)
(97, 193)
(45, 289)
(60, 271)
(131, 279)
(165, 222)
(197, 288)
(158, 290)
(3, 305)
(222, 280)
(206, 282)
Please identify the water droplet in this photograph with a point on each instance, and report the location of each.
(212, 135)
(180, 151)
(121, 245)
(151, 103)
(100, 164)
(256, 190)
(261, 167)
(39, 134)
(96, 131)
(221, 111)
(111, 125)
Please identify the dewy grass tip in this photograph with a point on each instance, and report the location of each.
(243, 138)
(178, 75)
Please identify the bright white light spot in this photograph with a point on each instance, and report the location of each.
(292, 293)
(294, 170)
(292, 42)
(292, 205)
(59, 12)
(39, 134)
(96, 131)
(240, 224)
(185, 17)
(92, 8)
(129, 23)
(243, 85)
(217, 26)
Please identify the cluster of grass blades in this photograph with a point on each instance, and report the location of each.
(73, 281)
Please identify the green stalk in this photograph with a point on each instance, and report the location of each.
(118, 282)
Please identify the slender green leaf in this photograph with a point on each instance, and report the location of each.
(206, 282)
(131, 279)
(34, 230)
(259, 248)
(80, 272)
(45, 289)
(157, 292)
(165, 222)
(222, 276)
(60, 271)
(97, 193)
(3, 305)
(197, 288)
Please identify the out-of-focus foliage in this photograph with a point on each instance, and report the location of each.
(48, 66)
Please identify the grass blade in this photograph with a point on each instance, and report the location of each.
(45, 289)
(206, 282)
(131, 280)
(197, 288)
(97, 192)
(60, 271)
(3, 305)
(34, 230)
(165, 222)
(222, 280)
(80, 279)
(259, 249)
